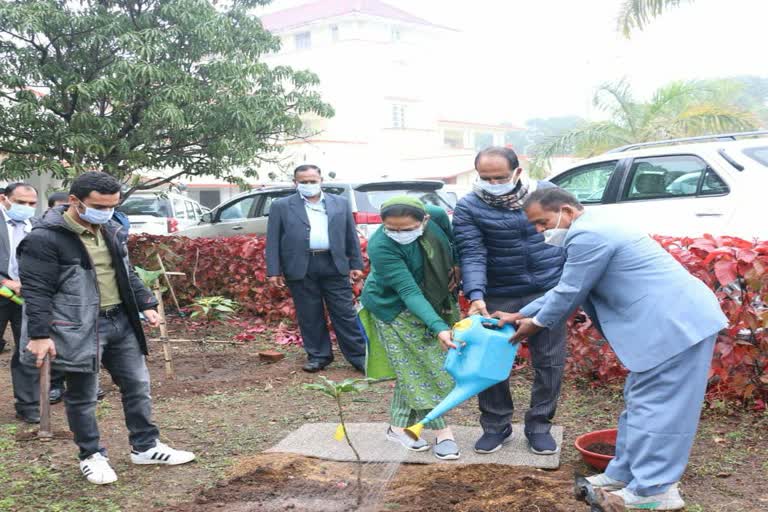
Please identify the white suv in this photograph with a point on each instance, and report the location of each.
(161, 213)
(683, 187)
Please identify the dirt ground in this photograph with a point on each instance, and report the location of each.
(227, 407)
(279, 482)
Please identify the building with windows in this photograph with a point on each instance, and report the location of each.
(379, 67)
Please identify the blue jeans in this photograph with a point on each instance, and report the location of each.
(123, 359)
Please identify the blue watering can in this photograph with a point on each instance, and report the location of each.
(484, 358)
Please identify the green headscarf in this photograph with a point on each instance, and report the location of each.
(403, 200)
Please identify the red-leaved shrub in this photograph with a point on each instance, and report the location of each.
(737, 270)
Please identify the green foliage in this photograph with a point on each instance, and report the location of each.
(148, 277)
(214, 309)
(636, 14)
(678, 109)
(169, 87)
(336, 390)
(333, 389)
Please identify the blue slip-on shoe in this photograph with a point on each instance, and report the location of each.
(492, 442)
(542, 443)
(447, 449)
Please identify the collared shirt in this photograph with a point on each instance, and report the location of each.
(109, 293)
(318, 224)
(15, 235)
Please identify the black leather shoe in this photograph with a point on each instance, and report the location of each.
(314, 366)
(100, 394)
(55, 395)
(32, 418)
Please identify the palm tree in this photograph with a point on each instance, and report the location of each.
(678, 109)
(636, 14)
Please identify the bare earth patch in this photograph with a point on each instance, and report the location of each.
(227, 406)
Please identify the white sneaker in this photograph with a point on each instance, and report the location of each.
(97, 470)
(162, 454)
(668, 500)
(603, 481)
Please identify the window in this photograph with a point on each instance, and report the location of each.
(238, 210)
(268, 200)
(375, 198)
(303, 40)
(398, 115)
(396, 34)
(178, 207)
(453, 138)
(153, 205)
(759, 154)
(190, 210)
(713, 185)
(198, 210)
(672, 176)
(334, 33)
(483, 140)
(587, 183)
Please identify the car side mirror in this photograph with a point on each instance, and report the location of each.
(207, 218)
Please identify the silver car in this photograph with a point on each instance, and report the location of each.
(248, 213)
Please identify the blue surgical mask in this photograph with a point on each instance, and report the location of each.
(556, 236)
(405, 237)
(308, 189)
(497, 189)
(94, 216)
(20, 212)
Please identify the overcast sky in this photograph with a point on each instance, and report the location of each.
(538, 58)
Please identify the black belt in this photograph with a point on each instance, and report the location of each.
(315, 252)
(111, 311)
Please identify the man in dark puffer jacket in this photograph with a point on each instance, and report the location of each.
(82, 308)
(505, 265)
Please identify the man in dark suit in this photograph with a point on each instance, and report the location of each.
(18, 201)
(313, 247)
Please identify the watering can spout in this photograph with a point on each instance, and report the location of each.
(460, 393)
(484, 359)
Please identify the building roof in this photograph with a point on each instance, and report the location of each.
(324, 9)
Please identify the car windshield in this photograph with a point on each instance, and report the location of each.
(758, 154)
(375, 198)
(146, 205)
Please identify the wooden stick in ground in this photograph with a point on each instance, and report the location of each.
(45, 433)
(168, 282)
(169, 371)
(184, 340)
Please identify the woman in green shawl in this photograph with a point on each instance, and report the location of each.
(409, 307)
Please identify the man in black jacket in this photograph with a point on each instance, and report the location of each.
(313, 247)
(82, 308)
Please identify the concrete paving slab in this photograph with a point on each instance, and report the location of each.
(316, 440)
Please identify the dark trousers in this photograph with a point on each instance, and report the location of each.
(548, 360)
(26, 379)
(323, 287)
(123, 359)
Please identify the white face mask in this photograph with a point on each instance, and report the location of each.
(556, 236)
(405, 237)
(497, 189)
(308, 189)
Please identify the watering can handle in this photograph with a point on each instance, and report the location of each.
(491, 321)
